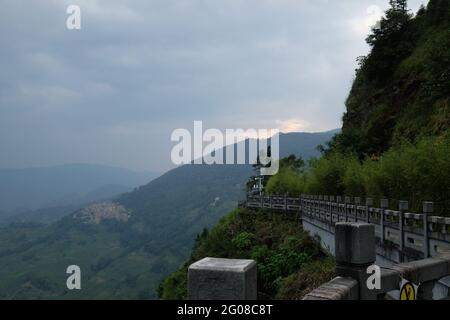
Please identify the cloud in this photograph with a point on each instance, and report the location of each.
(362, 25)
(293, 125)
(138, 69)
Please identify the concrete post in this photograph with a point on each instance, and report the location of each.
(300, 204)
(355, 251)
(338, 200)
(357, 203)
(369, 204)
(384, 204)
(427, 210)
(331, 208)
(403, 206)
(222, 279)
(347, 201)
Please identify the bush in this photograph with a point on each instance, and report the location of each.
(326, 175)
(243, 240)
(414, 172)
(277, 243)
(286, 181)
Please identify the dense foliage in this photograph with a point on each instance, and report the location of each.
(127, 260)
(401, 90)
(289, 261)
(395, 144)
(395, 141)
(414, 172)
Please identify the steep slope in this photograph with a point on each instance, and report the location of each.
(289, 261)
(401, 91)
(125, 248)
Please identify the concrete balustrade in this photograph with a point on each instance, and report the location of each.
(337, 289)
(355, 252)
(375, 236)
(401, 236)
(233, 279)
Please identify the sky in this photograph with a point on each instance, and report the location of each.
(113, 92)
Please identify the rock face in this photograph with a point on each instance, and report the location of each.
(97, 212)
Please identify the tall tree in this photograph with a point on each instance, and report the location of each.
(395, 20)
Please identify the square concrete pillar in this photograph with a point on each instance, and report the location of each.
(222, 279)
(355, 243)
(355, 251)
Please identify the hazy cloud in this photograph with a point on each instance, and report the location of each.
(113, 91)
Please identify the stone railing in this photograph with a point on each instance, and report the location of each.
(229, 279)
(355, 253)
(412, 235)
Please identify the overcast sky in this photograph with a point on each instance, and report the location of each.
(112, 92)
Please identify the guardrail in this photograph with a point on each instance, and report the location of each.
(355, 253)
(417, 235)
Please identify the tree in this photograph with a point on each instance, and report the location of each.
(391, 42)
(438, 11)
(395, 20)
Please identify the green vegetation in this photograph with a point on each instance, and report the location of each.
(34, 259)
(289, 261)
(290, 178)
(127, 260)
(395, 141)
(401, 90)
(414, 172)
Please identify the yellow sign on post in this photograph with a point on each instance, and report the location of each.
(408, 290)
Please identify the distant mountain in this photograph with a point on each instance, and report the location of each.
(304, 143)
(35, 188)
(126, 247)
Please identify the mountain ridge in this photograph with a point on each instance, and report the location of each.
(126, 258)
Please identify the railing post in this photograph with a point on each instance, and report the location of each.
(357, 203)
(369, 203)
(427, 210)
(347, 201)
(338, 200)
(328, 205)
(285, 202)
(316, 207)
(384, 204)
(402, 207)
(222, 279)
(355, 252)
(300, 204)
(331, 208)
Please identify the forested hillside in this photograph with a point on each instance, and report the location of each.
(395, 144)
(290, 262)
(402, 87)
(125, 247)
(395, 141)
